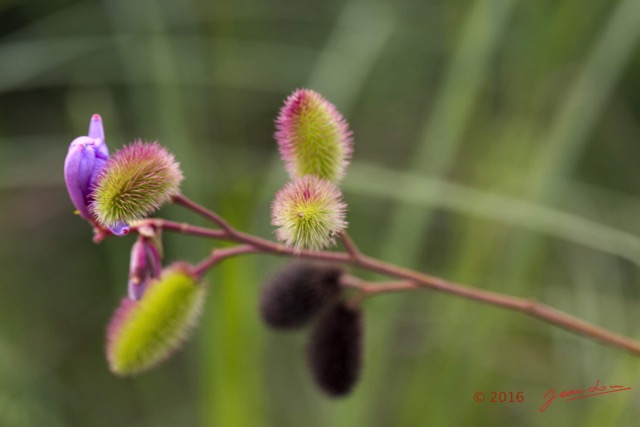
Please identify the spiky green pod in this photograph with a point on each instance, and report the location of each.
(313, 137)
(144, 333)
(309, 213)
(136, 181)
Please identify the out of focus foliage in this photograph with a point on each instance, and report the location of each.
(496, 144)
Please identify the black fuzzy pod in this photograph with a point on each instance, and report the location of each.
(335, 349)
(296, 293)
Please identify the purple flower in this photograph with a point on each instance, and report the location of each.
(96, 131)
(144, 266)
(82, 164)
(86, 158)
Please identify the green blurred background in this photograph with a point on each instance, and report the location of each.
(497, 144)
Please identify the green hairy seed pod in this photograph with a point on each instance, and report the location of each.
(309, 213)
(144, 333)
(136, 181)
(313, 137)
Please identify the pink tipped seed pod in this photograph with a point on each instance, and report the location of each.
(136, 181)
(313, 137)
(144, 333)
(309, 213)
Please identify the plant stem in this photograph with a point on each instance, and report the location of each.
(349, 245)
(218, 255)
(412, 280)
(202, 211)
(179, 227)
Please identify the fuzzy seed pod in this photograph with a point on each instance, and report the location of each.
(136, 181)
(296, 293)
(309, 213)
(335, 349)
(313, 137)
(144, 333)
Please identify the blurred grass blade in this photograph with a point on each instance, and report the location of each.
(356, 42)
(441, 136)
(585, 100)
(432, 193)
(31, 59)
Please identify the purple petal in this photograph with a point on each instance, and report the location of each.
(97, 168)
(120, 229)
(78, 171)
(86, 158)
(155, 264)
(145, 265)
(137, 270)
(96, 131)
(137, 289)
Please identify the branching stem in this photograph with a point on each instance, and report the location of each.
(410, 280)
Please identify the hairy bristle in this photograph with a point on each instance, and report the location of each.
(309, 213)
(297, 292)
(335, 350)
(144, 333)
(136, 181)
(313, 137)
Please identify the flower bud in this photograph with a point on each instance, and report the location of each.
(120, 228)
(146, 332)
(80, 168)
(296, 293)
(309, 213)
(96, 131)
(136, 181)
(335, 349)
(144, 266)
(86, 157)
(313, 137)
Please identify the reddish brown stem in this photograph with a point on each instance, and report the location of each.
(349, 245)
(412, 280)
(180, 227)
(202, 211)
(218, 255)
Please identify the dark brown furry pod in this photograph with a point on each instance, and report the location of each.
(296, 293)
(335, 349)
